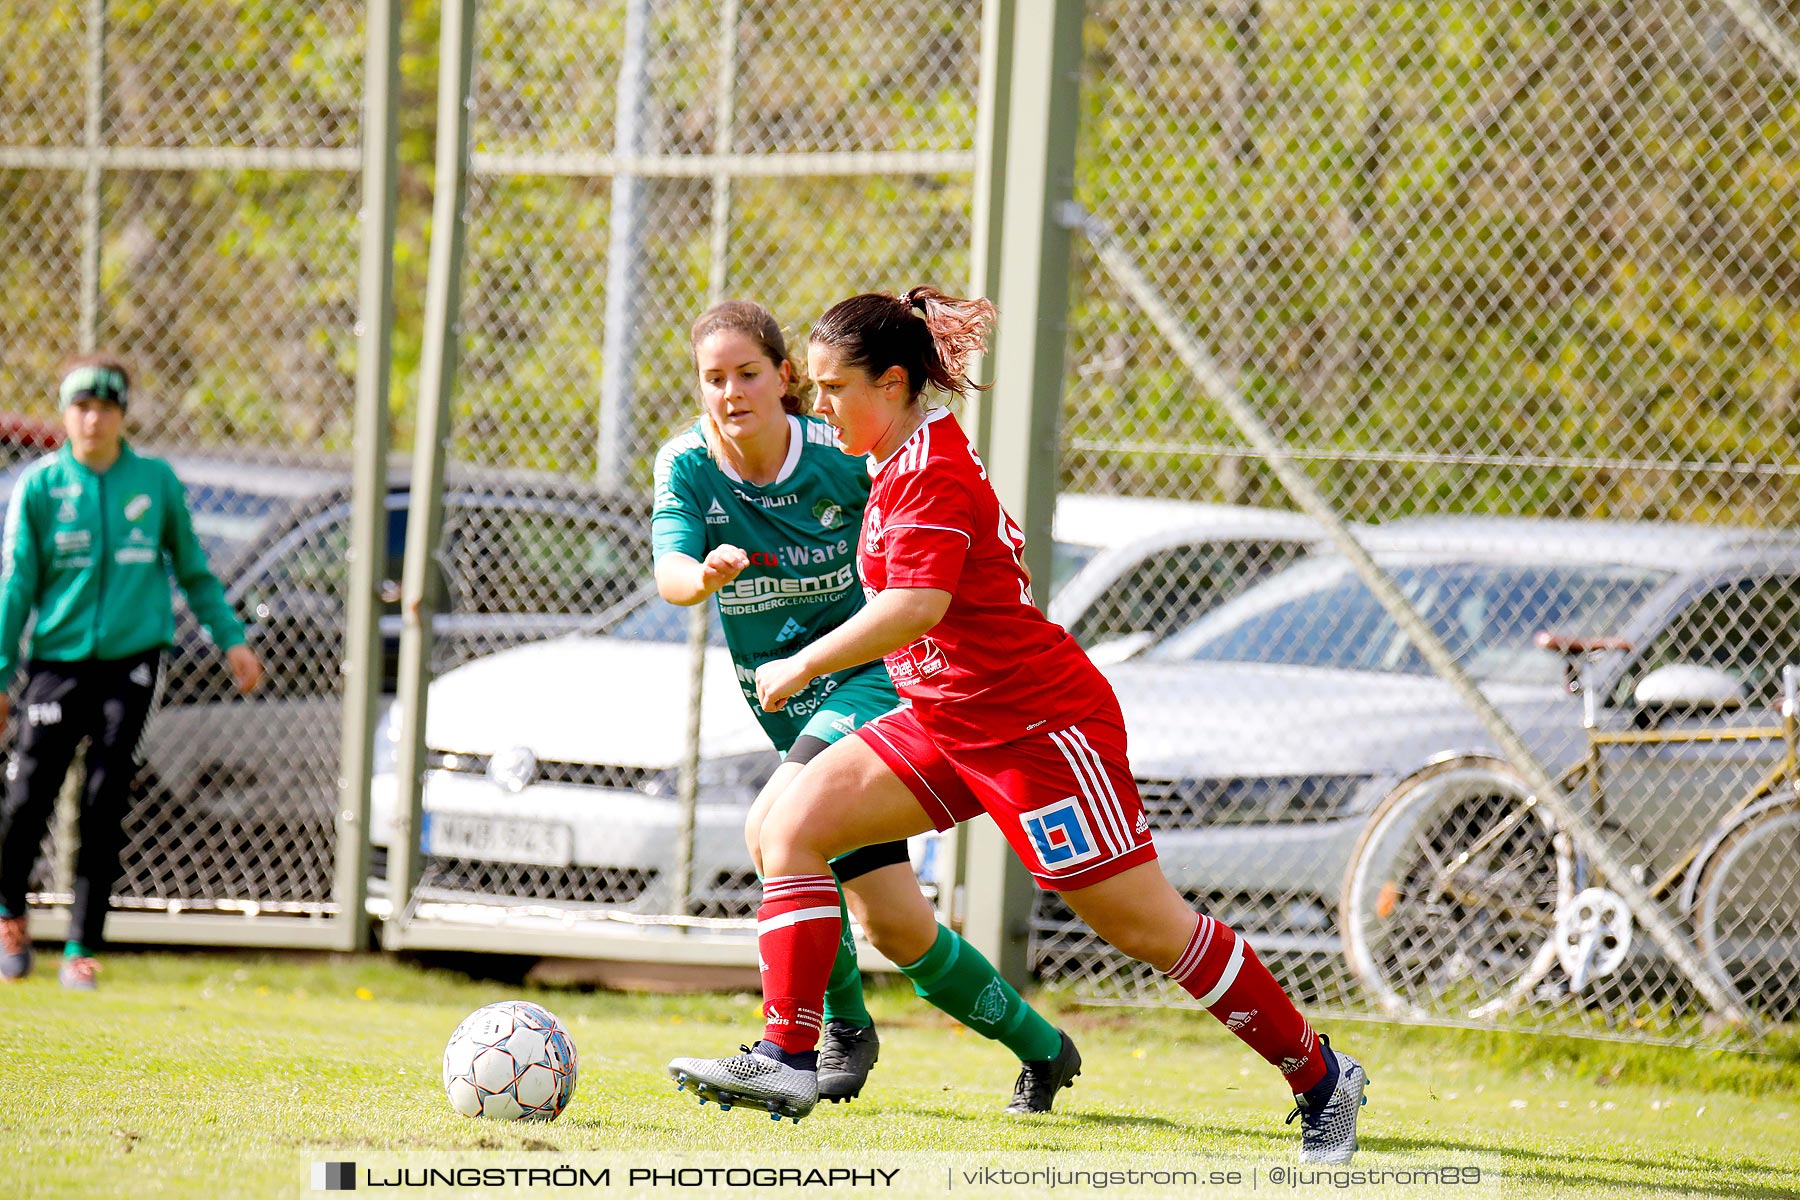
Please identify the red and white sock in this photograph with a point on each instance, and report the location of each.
(797, 931)
(1220, 970)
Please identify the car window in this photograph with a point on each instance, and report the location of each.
(312, 559)
(1169, 587)
(1320, 614)
(1749, 628)
(1066, 561)
(542, 560)
(230, 521)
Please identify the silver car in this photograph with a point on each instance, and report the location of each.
(1265, 733)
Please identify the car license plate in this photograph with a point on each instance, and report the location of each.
(538, 842)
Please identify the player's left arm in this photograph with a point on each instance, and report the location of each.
(894, 618)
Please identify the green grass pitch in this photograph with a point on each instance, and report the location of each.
(215, 1074)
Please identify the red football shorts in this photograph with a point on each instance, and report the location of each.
(1064, 798)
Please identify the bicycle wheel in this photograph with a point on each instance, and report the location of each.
(1452, 892)
(1747, 908)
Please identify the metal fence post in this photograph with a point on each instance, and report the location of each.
(1043, 115)
(437, 381)
(624, 252)
(368, 508)
(93, 139)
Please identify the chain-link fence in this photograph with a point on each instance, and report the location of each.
(631, 163)
(186, 193)
(1515, 284)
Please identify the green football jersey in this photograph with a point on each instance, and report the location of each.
(800, 533)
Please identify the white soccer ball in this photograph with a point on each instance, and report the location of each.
(510, 1061)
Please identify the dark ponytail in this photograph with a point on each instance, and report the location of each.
(925, 333)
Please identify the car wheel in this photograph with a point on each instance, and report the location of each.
(1452, 892)
(1746, 913)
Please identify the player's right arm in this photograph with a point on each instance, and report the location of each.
(681, 579)
(686, 571)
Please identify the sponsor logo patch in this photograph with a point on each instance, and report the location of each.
(136, 507)
(1061, 835)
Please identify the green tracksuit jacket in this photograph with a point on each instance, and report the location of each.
(93, 555)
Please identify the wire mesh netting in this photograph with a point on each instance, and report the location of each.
(1515, 285)
(686, 152)
(186, 194)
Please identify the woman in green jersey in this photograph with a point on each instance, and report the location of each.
(95, 536)
(757, 506)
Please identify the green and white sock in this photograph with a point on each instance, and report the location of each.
(955, 977)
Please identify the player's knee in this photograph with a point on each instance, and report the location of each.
(792, 825)
(809, 815)
(1138, 940)
(898, 936)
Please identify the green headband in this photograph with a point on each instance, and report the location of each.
(102, 383)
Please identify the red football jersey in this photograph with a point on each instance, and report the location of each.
(995, 668)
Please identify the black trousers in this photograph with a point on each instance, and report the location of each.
(105, 704)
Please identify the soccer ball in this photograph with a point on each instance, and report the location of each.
(510, 1061)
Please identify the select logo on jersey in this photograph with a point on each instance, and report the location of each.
(66, 511)
(791, 630)
(917, 662)
(1061, 835)
(716, 515)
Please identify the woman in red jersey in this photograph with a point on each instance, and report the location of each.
(1005, 714)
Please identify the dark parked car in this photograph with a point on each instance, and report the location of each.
(523, 556)
(237, 795)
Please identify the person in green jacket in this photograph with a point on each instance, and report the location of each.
(94, 534)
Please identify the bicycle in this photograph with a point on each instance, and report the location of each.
(1463, 895)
